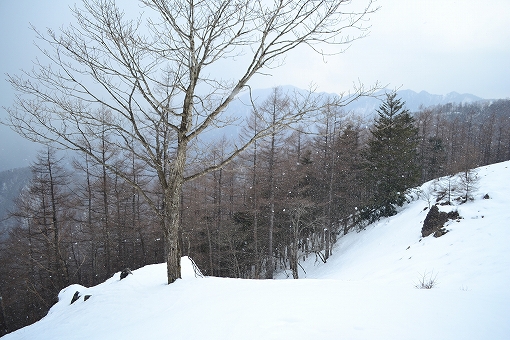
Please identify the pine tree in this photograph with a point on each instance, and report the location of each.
(391, 157)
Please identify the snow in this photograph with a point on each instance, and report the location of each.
(366, 290)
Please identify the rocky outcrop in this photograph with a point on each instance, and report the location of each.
(435, 220)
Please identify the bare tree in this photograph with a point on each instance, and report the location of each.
(276, 106)
(156, 75)
(36, 255)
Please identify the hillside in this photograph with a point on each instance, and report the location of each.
(365, 291)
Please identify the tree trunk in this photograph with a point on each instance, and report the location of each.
(209, 243)
(106, 212)
(171, 232)
(293, 260)
(172, 212)
(3, 319)
(60, 266)
(270, 260)
(327, 244)
(256, 257)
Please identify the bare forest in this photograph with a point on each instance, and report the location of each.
(287, 197)
(141, 102)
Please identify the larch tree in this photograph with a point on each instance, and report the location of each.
(38, 252)
(277, 105)
(160, 76)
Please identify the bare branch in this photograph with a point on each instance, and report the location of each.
(151, 80)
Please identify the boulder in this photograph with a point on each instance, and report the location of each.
(434, 221)
(76, 296)
(124, 273)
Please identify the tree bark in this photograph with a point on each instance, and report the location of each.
(172, 212)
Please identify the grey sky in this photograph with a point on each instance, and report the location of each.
(434, 45)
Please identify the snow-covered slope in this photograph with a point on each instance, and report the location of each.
(393, 252)
(365, 291)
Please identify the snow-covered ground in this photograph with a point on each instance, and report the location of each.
(365, 291)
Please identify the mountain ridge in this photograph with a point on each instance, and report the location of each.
(414, 101)
(366, 106)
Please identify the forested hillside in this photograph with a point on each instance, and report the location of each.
(289, 195)
(11, 183)
(388, 281)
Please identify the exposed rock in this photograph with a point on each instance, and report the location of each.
(453, 215)
(434, 221)
(440, 232)
(76, 296)
(86, 297)
(486, 197)
(124, 273)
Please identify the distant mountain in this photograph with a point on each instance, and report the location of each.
(239, 110)
(413, 100)
(366, 105)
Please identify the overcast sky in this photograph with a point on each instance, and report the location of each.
(438, 46)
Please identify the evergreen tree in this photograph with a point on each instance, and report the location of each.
(391, 157)
(350, 191)
(434, 159)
